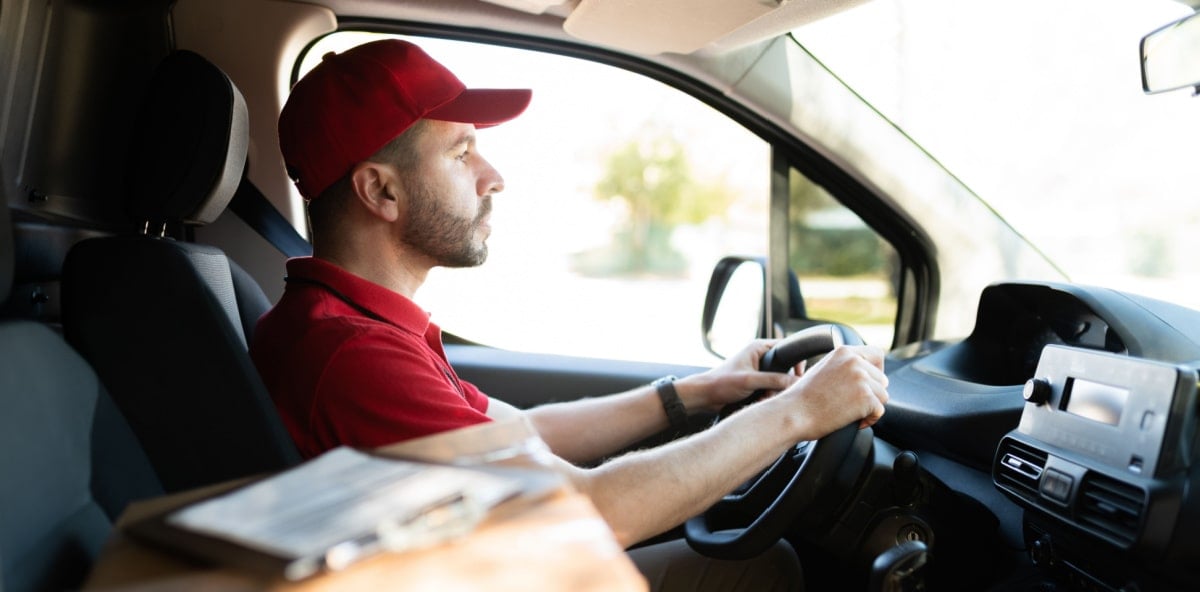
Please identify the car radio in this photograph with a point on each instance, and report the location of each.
(1103, 456)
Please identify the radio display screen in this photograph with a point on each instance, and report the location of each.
(1095, 401)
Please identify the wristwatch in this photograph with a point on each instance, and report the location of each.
(676, 413)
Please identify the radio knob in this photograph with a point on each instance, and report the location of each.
(1037, 390)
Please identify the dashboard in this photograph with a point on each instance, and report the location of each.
(1081, 404)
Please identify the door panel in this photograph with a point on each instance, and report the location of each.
(527, 380)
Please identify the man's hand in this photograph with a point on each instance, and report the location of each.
(848, 385)
(735, 379)
(647, 492)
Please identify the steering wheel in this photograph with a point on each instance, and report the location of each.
(803, 487)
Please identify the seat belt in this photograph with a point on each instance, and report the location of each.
(256, 210)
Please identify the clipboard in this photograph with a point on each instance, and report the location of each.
(336, 509)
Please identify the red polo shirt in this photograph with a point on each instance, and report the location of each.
(349, 362)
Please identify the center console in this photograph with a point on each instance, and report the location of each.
(1104, 462)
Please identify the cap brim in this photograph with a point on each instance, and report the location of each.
(484, 107)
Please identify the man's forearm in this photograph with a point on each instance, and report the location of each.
(588, 429)
(647, 492)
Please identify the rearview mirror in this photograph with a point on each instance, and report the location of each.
(1171, 56)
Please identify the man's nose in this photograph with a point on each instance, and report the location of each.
(490, 180)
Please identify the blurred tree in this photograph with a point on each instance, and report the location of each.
(653, 178)
(827, 238)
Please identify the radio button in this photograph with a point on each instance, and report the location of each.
(1056, 485)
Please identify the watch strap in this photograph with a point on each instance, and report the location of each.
(672, 404)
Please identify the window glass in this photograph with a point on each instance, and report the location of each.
(621, 193)
(846, 271)
(1039, 108)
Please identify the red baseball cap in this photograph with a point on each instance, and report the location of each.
(355, 102)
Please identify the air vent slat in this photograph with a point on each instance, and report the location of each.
(1020, 467)
(1111, 506)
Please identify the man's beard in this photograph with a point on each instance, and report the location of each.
(440, 234)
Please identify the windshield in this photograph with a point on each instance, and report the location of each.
(1037, 107)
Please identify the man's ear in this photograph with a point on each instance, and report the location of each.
(374, 186)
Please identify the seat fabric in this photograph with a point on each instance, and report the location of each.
(252, 302)
(70, 463)
(166, 345)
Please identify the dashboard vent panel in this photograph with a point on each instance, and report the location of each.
(1019, 467)
(1111, 507)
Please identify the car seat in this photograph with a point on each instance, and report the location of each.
(70, 463)
(161, 319)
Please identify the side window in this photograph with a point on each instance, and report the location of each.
(621, 194)
(847, 272)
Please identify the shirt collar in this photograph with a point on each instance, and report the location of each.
(362, 294)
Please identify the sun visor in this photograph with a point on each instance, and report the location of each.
(530, 6)
(685, 26)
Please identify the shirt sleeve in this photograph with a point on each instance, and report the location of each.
(383, 387)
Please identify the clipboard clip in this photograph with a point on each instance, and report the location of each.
(440, 521)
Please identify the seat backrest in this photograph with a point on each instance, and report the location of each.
(69, 464)
(159, 318)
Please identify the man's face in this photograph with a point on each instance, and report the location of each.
(448, 197)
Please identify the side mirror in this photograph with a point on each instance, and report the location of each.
(1171, 56)
(738, 306)
(735, 305)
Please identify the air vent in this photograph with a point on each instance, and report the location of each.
(1018, 468)
(1112, 507)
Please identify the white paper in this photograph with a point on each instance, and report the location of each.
(347, 498)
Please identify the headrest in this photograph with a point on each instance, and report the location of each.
(189, 144)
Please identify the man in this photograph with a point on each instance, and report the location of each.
(381, 143)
